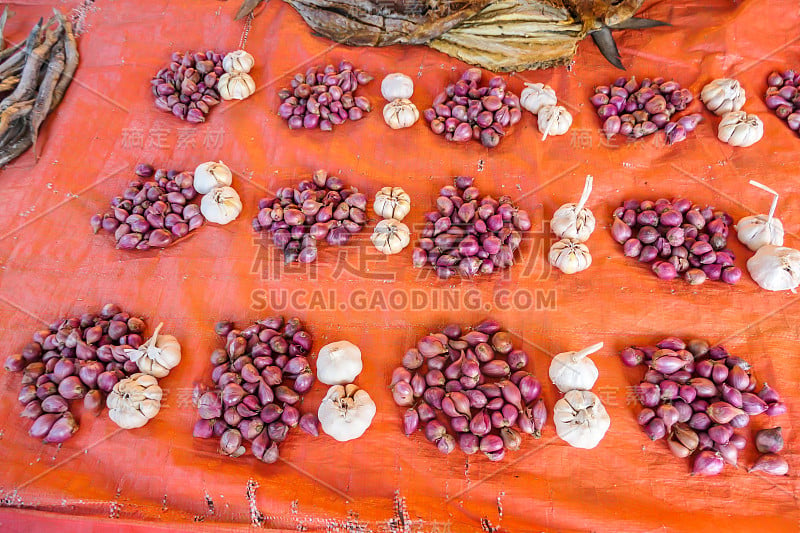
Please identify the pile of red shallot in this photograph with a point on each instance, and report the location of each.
(469, 234)
(637, 109)
(258, 378)
(154, 210)
(783, 96)
(678, 238)
(700, 398)
(324, 97)
(75, 358)
(187, 87)
(320, 208)
(467, 110)
(474, 383)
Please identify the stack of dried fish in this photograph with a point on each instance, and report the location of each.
(500, 35)
(34, 75)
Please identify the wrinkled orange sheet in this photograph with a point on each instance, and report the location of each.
(160, 478)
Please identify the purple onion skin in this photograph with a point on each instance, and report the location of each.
(771, 464)
(63, 429)
(309, 424)
(707, 463)
(41, 426)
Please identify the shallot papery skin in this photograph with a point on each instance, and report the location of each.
(771, 464)
(701, 404)
(466, 374)
(258, 379)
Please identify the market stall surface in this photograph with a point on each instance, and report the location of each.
(160, 478)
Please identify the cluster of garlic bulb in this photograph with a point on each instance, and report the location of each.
(236, 83)
(390, 235)
(774, 267)
(346, 411)
(580, 418)
(573, 224)
(726, 97)
(400, 112)
(134, 401)
(540, 99)
(220, 203)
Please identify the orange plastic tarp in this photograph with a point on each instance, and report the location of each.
(160, 478)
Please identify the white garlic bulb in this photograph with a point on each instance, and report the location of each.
(574, 370)
(211, 174)
(537, 95)
(400, 113)
(554, 120)
(134, 401)
(759, 230)
(391, 236)
(339, 363)
(738, 128)
(775, 268)
(236, 86)
(397, 86)
(574, 221)
(570, 256)
(221, 205)
(392, 202)
(237, 61)
(580, 419)
(723, 95)
(158, 355)
(346, 412)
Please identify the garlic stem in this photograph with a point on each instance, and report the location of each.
(587, 190)
(137, 353)
(549, 125)
(774, 199)
(152, 340)
(577, 356)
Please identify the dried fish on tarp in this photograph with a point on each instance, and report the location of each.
(34, 77)
(500, 35)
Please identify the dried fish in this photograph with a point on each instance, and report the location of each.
(44, 98)
(501, 35)
(37, 74)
